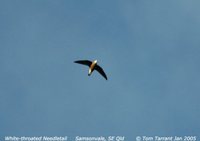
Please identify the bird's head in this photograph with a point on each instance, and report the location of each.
(95, 61)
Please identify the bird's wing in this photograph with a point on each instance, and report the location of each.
(84, 62)
(100, 70)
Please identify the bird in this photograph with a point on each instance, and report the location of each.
(92, 66)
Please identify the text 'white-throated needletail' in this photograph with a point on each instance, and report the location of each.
(92, 66)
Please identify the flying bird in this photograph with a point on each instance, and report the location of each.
(92, 66)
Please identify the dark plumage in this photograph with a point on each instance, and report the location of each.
(92, 66)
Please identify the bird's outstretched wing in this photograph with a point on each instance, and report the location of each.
(100, 70)
(83, 62)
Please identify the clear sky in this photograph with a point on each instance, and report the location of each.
(150, 51)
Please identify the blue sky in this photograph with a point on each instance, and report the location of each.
(149, 50)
